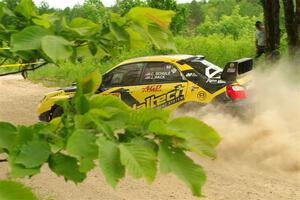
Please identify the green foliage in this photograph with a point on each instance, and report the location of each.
(7, 136)
(178, 21)
(217, 48)
(11, 190)
(26, 8)
(105, 130)
(53, 38)
(180, 18)
(55, 48)
(28, 39)
(174, 160)
(32, 154)
(196, 14)
(93, 10)
(109, 161)
(139, 159)
(67, 167)
(234, 25)
(124, 6)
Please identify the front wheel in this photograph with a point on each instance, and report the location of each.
(57, 112)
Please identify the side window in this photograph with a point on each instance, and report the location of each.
(160, 72)
(125, 75)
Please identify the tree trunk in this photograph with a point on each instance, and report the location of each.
(271, 15)
(292, 25)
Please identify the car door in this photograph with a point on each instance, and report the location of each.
(161, 85)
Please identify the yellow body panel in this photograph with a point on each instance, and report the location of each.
(167, 95)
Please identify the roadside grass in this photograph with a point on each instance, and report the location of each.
(216, 48)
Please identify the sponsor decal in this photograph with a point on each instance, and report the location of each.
(191, 74)
(193, 88)
(163, 100)
(152, 88)
(116, 94)
(201, 96)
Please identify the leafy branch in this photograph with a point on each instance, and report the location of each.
(104, 131)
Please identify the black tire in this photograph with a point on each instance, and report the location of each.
(57, 112)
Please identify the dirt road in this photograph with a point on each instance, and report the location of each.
(250, 169)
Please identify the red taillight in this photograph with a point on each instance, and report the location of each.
(236, 92)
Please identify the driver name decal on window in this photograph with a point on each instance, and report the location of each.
(160, 71)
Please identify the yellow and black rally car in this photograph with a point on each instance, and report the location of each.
(165, 82)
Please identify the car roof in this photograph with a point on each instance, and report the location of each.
(166, 58)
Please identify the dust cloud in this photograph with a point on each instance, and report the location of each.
(271, 138)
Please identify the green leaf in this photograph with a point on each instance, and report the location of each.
(84, 52)
(136, 40)
(174, 160)
(56, 48)
(162, 39)
(115, 119)
(67, 167)
(26, 8)
(200, 138)
(84, 122)
(28, 39)
(145, 116)
(82, 144)
(119, 32)
(25, 135)
(108, 103)
(153, 24)
(33, 154)
(7, 135)
(86, 165)
(159, 127)
(91, 83)
(140, 160)
(19, 171)
(143, 16)
(81, 26)
(109, 161)
(11, 190)
(5, 11)
(45, 20)
(81, 104)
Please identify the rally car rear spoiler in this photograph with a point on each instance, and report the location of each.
(236, 68)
